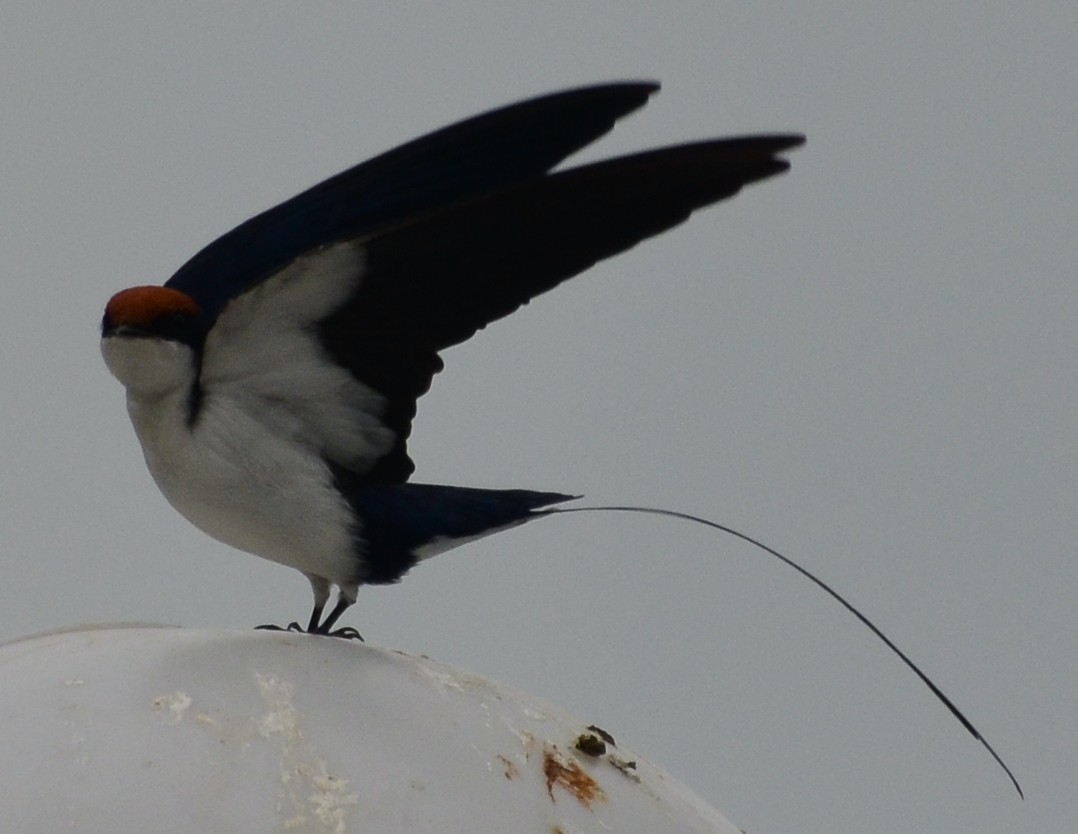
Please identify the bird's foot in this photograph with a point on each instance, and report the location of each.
(292, 626)
(346, 633)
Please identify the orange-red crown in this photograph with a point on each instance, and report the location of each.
(143, 305)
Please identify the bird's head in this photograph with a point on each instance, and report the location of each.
(151, 338)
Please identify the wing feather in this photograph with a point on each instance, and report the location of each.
(327, 313)
(462, 160)
(432, 282)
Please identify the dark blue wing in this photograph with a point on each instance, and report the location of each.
(432, 282)
(455, 163)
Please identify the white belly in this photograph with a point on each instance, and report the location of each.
(249, 486)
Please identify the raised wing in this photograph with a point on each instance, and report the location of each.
(455, 163)
(433, 281)
(332, 307)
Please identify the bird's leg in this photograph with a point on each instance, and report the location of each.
(316, 616)
(344, 602)
(316, 625)
(321, 588)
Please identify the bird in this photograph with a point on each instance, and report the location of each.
(272, 381)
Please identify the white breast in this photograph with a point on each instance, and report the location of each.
(236, 479)
(242, 472)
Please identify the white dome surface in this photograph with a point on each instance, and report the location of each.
(140, 729)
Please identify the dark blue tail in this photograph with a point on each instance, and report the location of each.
(397, 522)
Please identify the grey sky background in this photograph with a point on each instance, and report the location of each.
(868, 363)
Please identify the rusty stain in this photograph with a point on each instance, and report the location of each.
(567, 774)
(511, 771)
(590, 745)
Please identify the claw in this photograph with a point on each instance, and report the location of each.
(346, 633)
(292, 626)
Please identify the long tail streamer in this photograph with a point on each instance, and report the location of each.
(947, 702)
